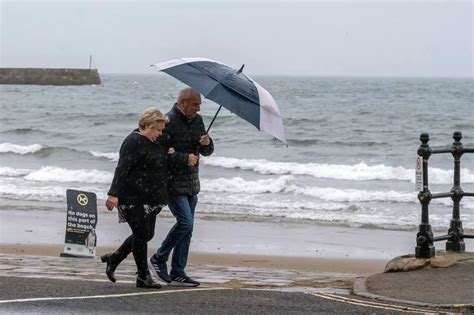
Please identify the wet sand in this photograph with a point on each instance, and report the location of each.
(313, 264)
(275, 245)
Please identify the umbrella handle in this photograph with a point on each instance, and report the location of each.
(210, 125)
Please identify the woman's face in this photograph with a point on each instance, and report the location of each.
(154, 131)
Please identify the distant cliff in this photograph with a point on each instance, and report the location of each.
(47, 76)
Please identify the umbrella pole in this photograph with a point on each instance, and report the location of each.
(210, 125)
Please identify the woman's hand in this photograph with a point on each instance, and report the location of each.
(192, 159)
(111, 202)
(171, 150)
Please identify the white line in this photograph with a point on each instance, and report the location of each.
(394, 307)
(105, 296)
(67, 278)
(382, 304)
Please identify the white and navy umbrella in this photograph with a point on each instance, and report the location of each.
(230, 88)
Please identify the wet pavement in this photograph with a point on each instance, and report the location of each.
(56, 285)
(216, 276)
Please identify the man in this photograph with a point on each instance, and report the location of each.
(188, 137)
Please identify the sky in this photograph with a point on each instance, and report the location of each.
(309, 38)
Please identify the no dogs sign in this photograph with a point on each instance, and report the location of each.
(80, 224)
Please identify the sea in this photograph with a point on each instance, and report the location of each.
(350, 158)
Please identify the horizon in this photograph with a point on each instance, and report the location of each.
(267, 75)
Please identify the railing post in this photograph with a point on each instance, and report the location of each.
(424, 238)
(456, 232)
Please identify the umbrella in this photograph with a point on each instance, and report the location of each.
(230, 88)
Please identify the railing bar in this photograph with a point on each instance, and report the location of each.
(438, 151)
(440, 238)
(441, 195)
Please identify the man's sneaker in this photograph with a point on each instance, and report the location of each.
(184, 281)
(159, 270)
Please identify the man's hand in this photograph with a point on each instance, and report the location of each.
(205, 140)
(111, 202)
(192, 159)
(171, 151)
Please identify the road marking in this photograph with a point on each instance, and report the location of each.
(393, 307)
(106, 296)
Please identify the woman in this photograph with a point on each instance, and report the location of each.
(139, 192)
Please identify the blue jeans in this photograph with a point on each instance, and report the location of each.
(179, 237)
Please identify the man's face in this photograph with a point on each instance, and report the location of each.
(192, 106)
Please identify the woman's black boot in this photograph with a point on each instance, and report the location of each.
(146, 281)
(112, 260)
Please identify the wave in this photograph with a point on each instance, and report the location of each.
(45, 193)
(353, 195)
(353, 215)
(48, 193)
(35, 149)
(13, 172)
(108, 155)
(277, 198)
(356, 172)
(313, 141)
(20, 149)
(284, 185)
(23, 131)
(236, 185)
(303, 141)
(239, 185)
(56, 174)
(44, 150)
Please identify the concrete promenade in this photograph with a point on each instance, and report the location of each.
(48, 284)
(444, 281)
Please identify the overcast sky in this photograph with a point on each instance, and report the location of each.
(317, 38)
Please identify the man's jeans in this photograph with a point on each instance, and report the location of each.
(179, 237)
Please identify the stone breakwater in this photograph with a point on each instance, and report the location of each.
(48, 76)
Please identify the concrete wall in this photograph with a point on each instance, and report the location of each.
(45, 76)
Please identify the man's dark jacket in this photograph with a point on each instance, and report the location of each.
(183, 135)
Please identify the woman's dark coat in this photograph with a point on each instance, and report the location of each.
(141, 173)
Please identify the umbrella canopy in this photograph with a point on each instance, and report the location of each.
(231, 89)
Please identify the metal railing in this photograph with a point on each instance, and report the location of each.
(455, 237)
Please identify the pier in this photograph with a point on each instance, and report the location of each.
(49, 76)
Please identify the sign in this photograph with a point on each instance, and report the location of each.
(81, 220)
(419, 173)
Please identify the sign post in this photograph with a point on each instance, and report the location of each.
(81, 221)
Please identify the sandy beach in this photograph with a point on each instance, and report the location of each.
(323, 265)
(278, 245)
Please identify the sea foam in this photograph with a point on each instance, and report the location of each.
(13, 172)
(113, 156)
(356, 172)
(57, 174)
(239, 185)
(20, 149)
